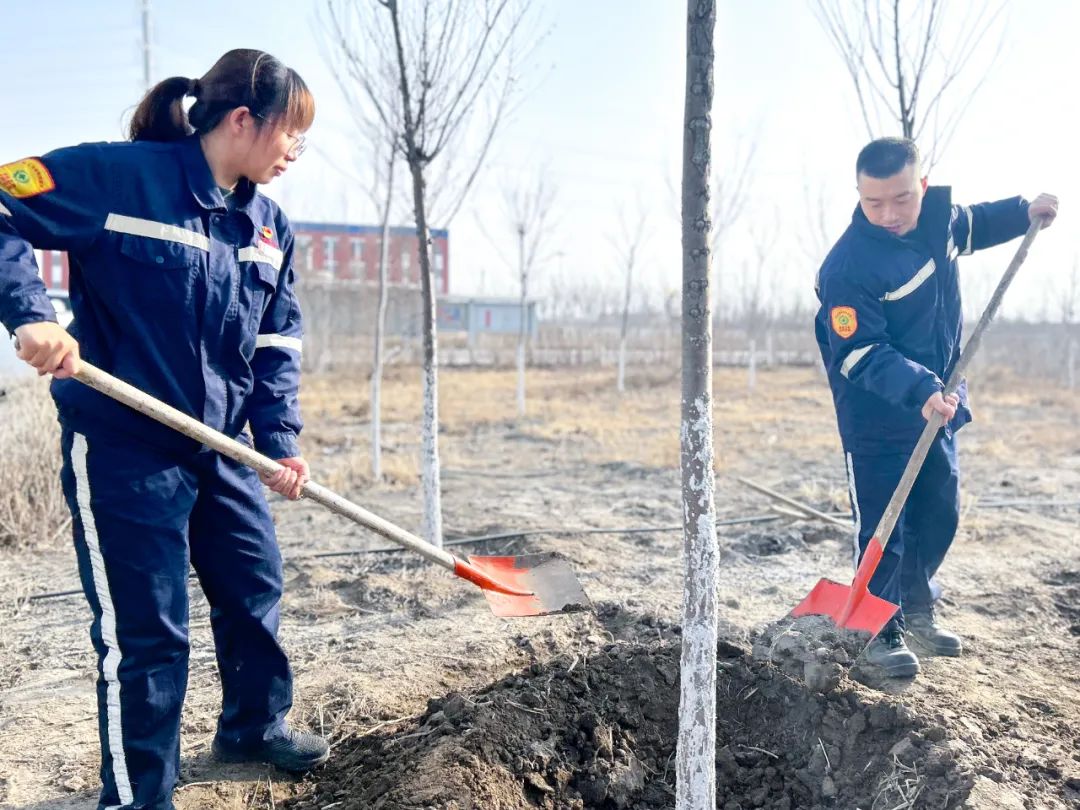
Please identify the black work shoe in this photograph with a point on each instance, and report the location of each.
(923, 628)
(295, 751)
(889, 652)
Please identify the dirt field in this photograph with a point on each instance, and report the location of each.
(431, 702)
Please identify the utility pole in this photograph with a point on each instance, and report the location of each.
(146, 42)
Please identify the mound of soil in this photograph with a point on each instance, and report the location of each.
(1066, 597)
(812, 649)
(600, 732)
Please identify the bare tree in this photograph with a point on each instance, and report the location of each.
(627, 246)
(730, 189)
(529, 210)
(378, 147)
(729, 186)
(903, 59)
(390, 158)
(696, 751)
(758, 293)
(817, 240)
(1070, 303)
(426, 74)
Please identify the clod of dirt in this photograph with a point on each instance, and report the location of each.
(601, 732)
(770, 543)
(811, 649)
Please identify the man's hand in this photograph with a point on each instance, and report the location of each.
(945, 405)
(1044, 206)
(49, 348)
(289, 481)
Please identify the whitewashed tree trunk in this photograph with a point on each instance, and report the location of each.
(523, 332)
(380, 327)
(751, 366)
(621, 379)
(770, 350)
(1071, 364)
(696, 752)
(429, 428)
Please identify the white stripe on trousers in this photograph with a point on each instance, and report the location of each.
(854, 493)
(114, 729)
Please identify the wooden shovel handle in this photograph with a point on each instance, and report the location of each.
(933, 425)
(192, 428)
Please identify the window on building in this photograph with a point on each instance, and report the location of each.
(305, 256)
(356, 252)
(329, 249)
(406, 264)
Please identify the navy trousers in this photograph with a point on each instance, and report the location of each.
(926, 526)
(140, 518)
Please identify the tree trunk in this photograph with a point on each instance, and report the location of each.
(429, 429)
(621, 381)
(751, 366)
(380, 327)
(695, 760)
(1071, 363)
(523, 326)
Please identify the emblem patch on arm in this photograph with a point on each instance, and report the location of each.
(25, 178)
(844, 321)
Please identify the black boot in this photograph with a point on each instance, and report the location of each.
(923, 628)
(889, 652)
(294, 751)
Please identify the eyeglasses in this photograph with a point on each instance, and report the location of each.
(299, 142)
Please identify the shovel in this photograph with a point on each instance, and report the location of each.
(527, 585)
(853, 607)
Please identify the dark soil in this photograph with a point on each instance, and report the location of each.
(814, 650)
(1066, 598)
(600, 732)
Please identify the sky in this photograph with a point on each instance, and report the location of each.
(603, 118)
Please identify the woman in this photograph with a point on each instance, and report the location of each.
(181, 284)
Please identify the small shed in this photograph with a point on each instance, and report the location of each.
(476, 316)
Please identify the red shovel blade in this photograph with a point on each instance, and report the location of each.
(868, 613)
(526, 585)
(851, 607)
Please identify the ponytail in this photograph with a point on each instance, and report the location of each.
(241, 78)
(160, 115)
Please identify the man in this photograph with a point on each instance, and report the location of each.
(889, 331)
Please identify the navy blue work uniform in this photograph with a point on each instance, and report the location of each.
(889, 331)
(188, 295)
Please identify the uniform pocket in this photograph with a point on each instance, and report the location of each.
(161, 253)
(159, 274)
(260, 281)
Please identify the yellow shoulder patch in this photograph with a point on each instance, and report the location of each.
(844, 321)
(25, 178)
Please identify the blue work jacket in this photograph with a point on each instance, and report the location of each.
(890, 321)
(173, 290)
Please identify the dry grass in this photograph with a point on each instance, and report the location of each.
(581, 406)
(790, 410)
(900, 789)
(32, 507)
